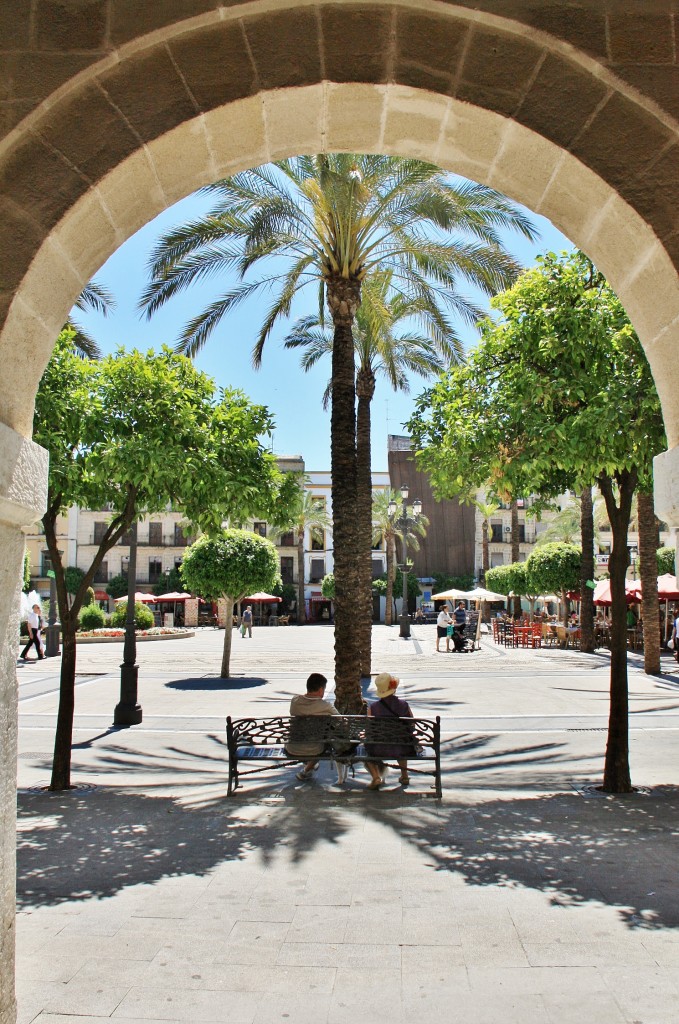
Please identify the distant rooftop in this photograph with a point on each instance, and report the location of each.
(398, 443)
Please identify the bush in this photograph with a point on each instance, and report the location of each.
(117, 586)
(665, 558)
(92, 617)
(143, 618)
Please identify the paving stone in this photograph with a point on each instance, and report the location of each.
(196, 1005)
(85, 996)
(351, 955)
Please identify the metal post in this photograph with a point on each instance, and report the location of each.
(53, 627)
(405, 618)
(128, 711)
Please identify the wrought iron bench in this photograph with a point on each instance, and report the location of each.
(263, 741)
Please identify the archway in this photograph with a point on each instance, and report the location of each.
(540, 110)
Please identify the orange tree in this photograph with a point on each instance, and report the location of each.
(558, 392)
(132, 433)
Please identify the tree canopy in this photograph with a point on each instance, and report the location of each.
(558, 395)
(134, 432)
(230, 565)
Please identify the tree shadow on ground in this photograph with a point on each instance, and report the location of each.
(614, 851)
(212, 683)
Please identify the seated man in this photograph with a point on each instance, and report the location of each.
(311, 703)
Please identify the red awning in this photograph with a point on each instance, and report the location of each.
(100, 595)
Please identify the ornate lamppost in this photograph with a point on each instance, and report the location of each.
(127, 710)
(402, 521)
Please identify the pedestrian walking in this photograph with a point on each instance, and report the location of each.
(34, 627)
(246, 622)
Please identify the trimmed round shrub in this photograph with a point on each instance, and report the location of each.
(143, 618)
(92, 617)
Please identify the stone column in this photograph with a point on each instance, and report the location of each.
(666, 492)
(23, 488)
(191, 611)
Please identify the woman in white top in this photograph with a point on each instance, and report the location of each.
(443, 621)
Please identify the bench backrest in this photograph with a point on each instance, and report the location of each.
(266, 732)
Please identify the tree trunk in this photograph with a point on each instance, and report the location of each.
(344, 297)
(391, 564)
(485, 549)
(63, 739)
(587, 571)
(365, 389)
(516, 553)
(616, 766)
(648, 573)
(228, 634)
(301, 605)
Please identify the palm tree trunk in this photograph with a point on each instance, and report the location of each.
(344, 297)
(301, 607)
(648, 572)
(365, 389)
(391, 562)
(616, 768)
(485, 549)
(587, 571)
(516, 552)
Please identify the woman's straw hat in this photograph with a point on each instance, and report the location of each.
(385, 684)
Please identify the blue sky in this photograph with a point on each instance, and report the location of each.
(294, 397)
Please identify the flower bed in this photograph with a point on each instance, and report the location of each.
(117, 631)
(113, 634)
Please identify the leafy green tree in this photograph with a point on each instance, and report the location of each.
(665, 558)
(329, 221)
(117, 586)
(230, 565)
(73, 577)
(445, 581)
(558, 396)
(135, 432)
(143, 616)
(555, 568)
(515, 579)
(381, 584)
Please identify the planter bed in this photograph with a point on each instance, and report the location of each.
(115, 636)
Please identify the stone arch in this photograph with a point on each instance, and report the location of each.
(116, 109)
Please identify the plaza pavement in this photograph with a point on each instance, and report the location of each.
(145, 895)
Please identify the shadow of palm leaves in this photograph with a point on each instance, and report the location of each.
(603, 851)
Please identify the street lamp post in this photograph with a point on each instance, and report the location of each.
(402, 521)
(53, 626)
(128, 711)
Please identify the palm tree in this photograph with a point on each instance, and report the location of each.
(487, 510)
(98, 298)
(306, 513)
(329, 221)
(380, 350)
(386, 528)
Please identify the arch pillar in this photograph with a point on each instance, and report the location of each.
(666, 490)
(23, 492)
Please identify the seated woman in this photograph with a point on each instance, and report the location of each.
(389, 706)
